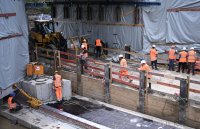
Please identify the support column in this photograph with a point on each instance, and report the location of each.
(107, 83)
(183, 100)
(79, 71)
(142, 92)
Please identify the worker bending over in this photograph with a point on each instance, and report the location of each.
(85, 44)
(98, 45)
(182, 60)
(172, 58)
(191, 60)
(57, 79)
(13, 105)
(145, 67)
(153, 57)
(123, 68)
(84, 56)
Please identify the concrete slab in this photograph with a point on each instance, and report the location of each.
(43, 89)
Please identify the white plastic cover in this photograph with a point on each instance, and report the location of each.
(14, 54)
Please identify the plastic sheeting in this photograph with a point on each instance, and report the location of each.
(165, 27)
(14, 54)
(129, 35)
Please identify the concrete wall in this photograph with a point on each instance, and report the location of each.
(128, 98)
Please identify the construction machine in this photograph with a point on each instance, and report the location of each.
(43, 35)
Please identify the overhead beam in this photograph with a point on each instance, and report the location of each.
(94, 2)
(183, 9)
(7, 14)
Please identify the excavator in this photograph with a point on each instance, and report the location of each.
(43, 35)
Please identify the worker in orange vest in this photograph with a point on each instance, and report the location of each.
(85, 44)
(145, 67)
(172, 57)
(182, 60)
(153, 57)
(57, 79)
(123, 70)
(191, 60)
(84, 56)
(13, 104)
(98, 45)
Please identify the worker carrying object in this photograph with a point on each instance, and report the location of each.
(191, 60)
(123, 68)
(182, 60)
(84, 42)
(57, 79)
(13, 104)
(145, 67)
(153, 57)
(84, 56)
(172, 57)
(98, 46)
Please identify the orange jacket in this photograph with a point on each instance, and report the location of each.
(172, 54)
(57, 80)
(98, 42)
(145, 68)
(123, 63)
(192, 56)
(153, 54)
(10, 104)
(183, 56)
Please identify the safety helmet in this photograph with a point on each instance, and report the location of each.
(56, 72)
(82, 46)
(154, 46)
(173, 46)
(84, 40)
(120, 55)
(192, 48)
(143, 62)
(184, 48)
(12, 94)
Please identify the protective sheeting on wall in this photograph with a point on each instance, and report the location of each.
(129, 35)
(164, 27)
(14, 54)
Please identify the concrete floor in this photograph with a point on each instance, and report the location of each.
(6, 124)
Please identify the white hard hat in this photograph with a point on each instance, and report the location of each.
(192, 48)
(153, 45)
(84, 40)
(184, 48)
(82, 46)
(143, 62)
(173, 46)
(120, 55)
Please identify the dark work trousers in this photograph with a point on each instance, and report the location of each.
(181, 65)
(154, 64)
(171, 64)
(191, 66)
(98, 51)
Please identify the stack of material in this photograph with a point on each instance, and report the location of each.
(43, 89)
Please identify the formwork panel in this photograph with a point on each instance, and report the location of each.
(70, 76)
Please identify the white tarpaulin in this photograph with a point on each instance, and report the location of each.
(14, 54)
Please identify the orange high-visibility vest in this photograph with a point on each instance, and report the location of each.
(98, 42)
(145, 68)
(57, 81)
(85, 45)
(172, 54)
(183, 56)
(123, 63)
(10, 104)
(192, 56)
(153, 54)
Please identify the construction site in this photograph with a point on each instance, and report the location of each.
(99, 64)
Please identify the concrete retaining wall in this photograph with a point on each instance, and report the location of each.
(128, 97)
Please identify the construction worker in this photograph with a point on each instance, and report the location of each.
(172, 57)
(145, 67)
(182, 60)
(191, 60)
(153, 57)
(123, 70)
(85, 44)
(98, 45)
(13, 105)
(84, 56)
(57, 79)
